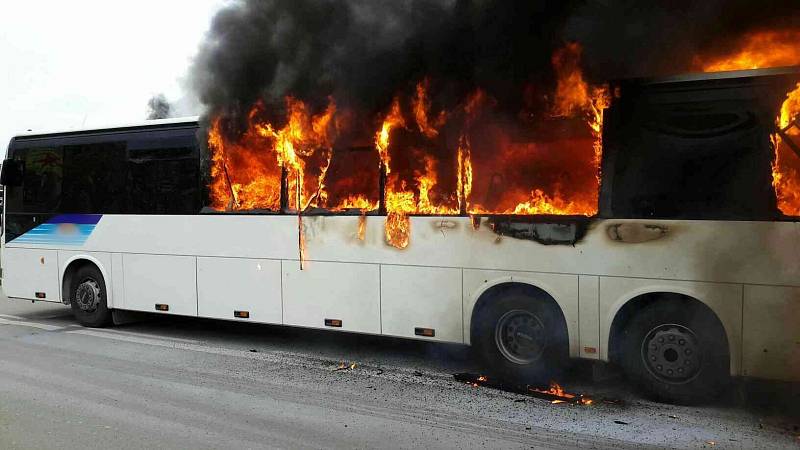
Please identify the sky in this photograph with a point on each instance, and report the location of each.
(84, 63)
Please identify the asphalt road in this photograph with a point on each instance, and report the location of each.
(188, 383)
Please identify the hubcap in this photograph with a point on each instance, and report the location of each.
(87, 296)
(520, 336)
(672, 353)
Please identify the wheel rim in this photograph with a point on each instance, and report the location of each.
(520, 336)
(672, 353)
(87, 295)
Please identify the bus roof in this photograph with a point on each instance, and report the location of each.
(725, 75)
(159, 123)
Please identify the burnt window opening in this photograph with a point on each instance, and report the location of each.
(701, 150)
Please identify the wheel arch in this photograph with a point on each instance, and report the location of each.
(71, 265)
(482, 297)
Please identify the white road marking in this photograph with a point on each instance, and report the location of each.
(149, 336)
(166, 342)
(22, 323)
(9, 316)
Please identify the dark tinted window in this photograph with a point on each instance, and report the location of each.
(92, 181)
(680, 153)
(163, 176)
(41, 186)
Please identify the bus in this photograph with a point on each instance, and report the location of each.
(687, 276)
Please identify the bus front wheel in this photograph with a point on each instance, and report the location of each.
(521, 338)
(88, 297)
(676, 352)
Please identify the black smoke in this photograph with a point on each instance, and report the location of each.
(363, 52)
(158, 107)
(631, 38)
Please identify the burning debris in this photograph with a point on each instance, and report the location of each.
(555, 394)
(345, 366)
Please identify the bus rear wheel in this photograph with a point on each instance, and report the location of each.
(677, 353)
(88, 297)
(521, 338)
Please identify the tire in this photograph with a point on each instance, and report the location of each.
(88, 297)
(534, 357)
(676, 352)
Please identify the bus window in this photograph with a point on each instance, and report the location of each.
(692, 159)
(92, 184)
(41, 185)
(163, 176)
(353, 179)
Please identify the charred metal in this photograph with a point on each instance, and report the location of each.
(547, 230)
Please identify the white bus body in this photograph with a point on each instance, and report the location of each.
(211, 266)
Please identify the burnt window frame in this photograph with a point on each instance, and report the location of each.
(767, 88)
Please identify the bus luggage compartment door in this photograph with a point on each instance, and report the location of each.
(251, 287)
(331, 295)
(31, 274)
(160, 283)
(422, 302)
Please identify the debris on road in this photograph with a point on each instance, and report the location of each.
(554, 393)
(345, 366)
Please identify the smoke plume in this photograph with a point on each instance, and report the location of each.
(158, 107)
(363, 52)
(630, 38)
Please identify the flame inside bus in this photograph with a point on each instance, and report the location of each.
(438, 160)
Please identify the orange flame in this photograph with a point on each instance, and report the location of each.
(421, 105)
(757, 50)
(299, 140)
(786, 168)
(392, 120)
(464, 173)
(574, 96)
(362, 227)
(487, 166)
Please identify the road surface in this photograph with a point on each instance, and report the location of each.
(188, 383)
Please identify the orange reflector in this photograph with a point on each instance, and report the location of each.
(427, 332)
(589, 350)
(333, 323)
(242, 314)
(41, 295)
(162, 307)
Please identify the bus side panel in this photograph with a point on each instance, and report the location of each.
(563, 289)
(589, 312)
(421, 297)
(31, 271)
(152, 280)
(225, 285)
(325, 291)
(771, 324)
(725, 300)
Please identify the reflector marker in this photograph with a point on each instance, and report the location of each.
(427, 332)
(41, 295)
(337, 323)
(162, 307)
(241, 314)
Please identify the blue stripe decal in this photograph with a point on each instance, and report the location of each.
(64, 229)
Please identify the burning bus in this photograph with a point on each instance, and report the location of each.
(647, 222)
